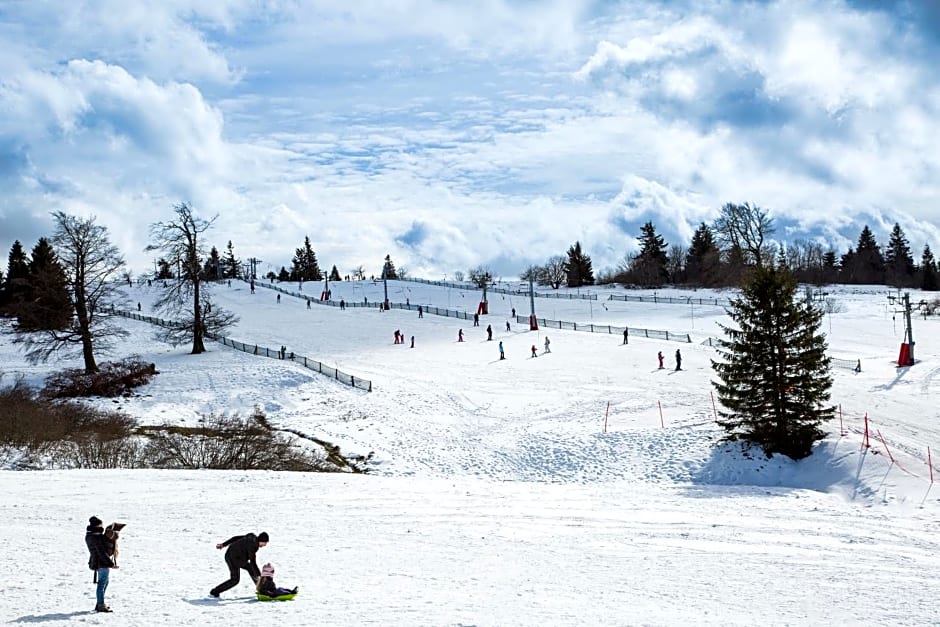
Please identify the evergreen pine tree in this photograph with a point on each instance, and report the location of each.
(304, 266)
(164, 271)
(773, 372)
(230, 264)
(579, 267)
(388, 268)
(334, 274)
(48, 304)
(868, 264)
(830, 269)
(703, 259)
(899, 264)
(212, 270)
(16, 287)
(648, 268)
(283, 275)
(928, 271)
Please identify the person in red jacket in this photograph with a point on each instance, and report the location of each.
(240, 555)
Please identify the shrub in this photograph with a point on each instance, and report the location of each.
(231, 443)
(114, 378)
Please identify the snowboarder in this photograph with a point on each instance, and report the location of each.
(460, 335)
(678, 360)
(502, 355)
(534, 352)
(489, 332)
(240, 554)
(100, 549)
(659, 355)
(476, 319)
(547, 342)
(626, 334)
(266, 585)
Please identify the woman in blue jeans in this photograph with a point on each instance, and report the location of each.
(100, 549)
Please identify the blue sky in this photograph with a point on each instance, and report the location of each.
(452, 134)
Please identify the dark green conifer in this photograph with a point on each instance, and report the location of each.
(773, 372)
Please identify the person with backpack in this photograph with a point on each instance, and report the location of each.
(240, 555)
(100, 550)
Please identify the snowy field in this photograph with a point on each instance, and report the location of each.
(496, 495)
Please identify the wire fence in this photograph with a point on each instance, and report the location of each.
(517, 291)
(836, 362)
(263, 351)
(655, 334)
(671, 300)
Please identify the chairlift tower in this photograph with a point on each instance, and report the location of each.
(906, 354)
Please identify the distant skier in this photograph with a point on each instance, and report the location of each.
(460, 335)
(660, 356)
(513, 312)
(476, 319)
(489, 332)
(138, 306)
(412, 341)
(397, 336)
(508, 328)
(502, 355)
(626, 335)
(420, 311)
(279, 298)
(534, 352)
(308, 303)
(678, 360)
(547, 342)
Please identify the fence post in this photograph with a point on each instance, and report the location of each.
(714, 407)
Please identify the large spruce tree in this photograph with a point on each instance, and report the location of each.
(702, 265)
(773, 372)
(388, 268)
(579, 267)
(648, 268)
(865, 264)
(928, 271)
(899, 263)
(16, 285)
(304, 265)
(48, 306)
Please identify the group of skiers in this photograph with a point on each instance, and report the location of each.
(102, 544)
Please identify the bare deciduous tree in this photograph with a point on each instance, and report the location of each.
(187, 299)
(745, 228)
(93, 267)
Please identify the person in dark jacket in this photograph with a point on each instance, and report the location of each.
(100, 550)
(240, 554)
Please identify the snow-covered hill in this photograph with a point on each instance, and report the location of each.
(497, 496)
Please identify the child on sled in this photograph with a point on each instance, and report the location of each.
(266, 585)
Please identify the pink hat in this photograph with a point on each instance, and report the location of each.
(267, 570)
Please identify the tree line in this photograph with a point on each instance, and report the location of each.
(720, 254)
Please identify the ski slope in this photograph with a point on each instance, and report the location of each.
(497, 496)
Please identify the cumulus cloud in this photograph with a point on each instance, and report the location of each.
(452, 134)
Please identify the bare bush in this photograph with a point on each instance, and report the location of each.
(230, 443)
(114, 378)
